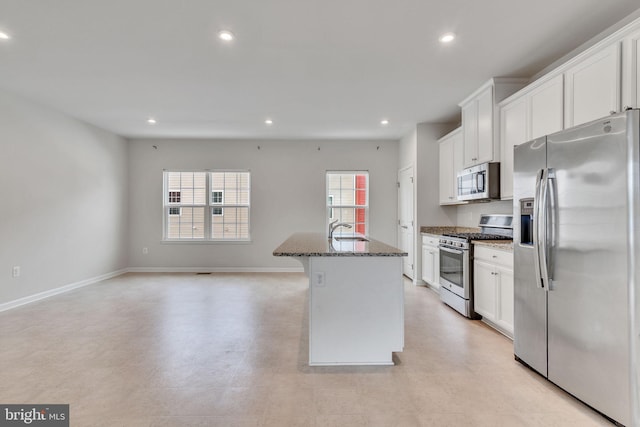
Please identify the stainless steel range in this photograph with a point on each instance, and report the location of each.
(456, 261)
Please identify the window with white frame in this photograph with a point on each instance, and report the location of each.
(207, 206)
(348, 200)
(217, 198)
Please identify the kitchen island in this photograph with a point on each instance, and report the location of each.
(356, 298)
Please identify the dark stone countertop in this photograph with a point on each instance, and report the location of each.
(317, 244)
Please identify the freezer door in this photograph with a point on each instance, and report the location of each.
(588, 338)
(530, 301)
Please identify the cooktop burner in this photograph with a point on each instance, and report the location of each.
(478, 236)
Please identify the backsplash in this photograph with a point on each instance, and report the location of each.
(469, 215)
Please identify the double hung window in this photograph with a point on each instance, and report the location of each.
(207, 206)
(348, 200)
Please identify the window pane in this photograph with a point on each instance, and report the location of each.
(217, 197)
(347, 215)
(233, 224)
(234, 185)
(188, 225)
(186, 187)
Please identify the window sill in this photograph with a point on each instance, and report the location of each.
(206, 242)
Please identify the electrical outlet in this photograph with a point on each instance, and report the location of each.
(318, 279)
(145, 251)
(15, 271)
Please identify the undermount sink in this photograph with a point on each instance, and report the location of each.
(352, 238)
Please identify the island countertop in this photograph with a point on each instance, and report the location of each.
(317, 244)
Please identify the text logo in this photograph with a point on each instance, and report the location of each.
(34, 415)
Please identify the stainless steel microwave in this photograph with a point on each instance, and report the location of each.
(481, 182)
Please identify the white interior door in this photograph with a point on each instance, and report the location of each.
(405, 219)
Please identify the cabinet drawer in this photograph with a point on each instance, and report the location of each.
(495, 256)
(430, 239)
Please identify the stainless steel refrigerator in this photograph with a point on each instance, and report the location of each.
(576, 261)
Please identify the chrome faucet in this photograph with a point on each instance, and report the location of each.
(333, 226)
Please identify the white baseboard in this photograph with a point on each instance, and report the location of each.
(215, 270)
(66, 288)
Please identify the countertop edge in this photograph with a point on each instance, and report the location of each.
(317, 245)
(495, 244)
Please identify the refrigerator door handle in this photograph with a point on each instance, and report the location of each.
(552, 226)
(537, 214)
(543, 231)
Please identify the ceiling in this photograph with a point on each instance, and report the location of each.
(318, 69)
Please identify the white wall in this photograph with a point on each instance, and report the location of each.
(288, 195)
(469, 215)
(64, 200)
(429, 211)
(408, 148)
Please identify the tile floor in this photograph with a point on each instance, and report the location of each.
(231, 350)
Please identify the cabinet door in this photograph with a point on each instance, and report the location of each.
(470, 133)
(447, 172)
(593, 87)
(484, 289)
(485, 127)
(427, 264)
(546, 108)
(513, 131)
(505, 299)
(631, 71)
(450, 164)
(458, 159)
(430, 267)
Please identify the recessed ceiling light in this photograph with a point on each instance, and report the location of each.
(447, 38)
(384, 122)
(4, 36)
(268, 122)
(226, 35)
(151, 121)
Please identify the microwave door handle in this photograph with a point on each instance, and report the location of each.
(536, 228)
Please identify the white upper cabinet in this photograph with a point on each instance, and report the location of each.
(480, 120)
(593, 86)
(450, 165)
(470, 132)
(484, 146)
(513, 131)
(546, 108)
(631, 71)
(535, 111)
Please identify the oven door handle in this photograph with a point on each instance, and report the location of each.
(452, 251)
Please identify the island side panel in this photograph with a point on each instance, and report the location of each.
(356, 310)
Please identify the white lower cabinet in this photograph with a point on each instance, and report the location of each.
(493, 287)
(431, 260)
